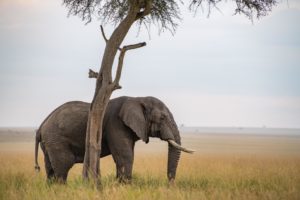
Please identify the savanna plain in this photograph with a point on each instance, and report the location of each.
(224, 166)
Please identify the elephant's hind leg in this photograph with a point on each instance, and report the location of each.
(48, 167)
(61, 160)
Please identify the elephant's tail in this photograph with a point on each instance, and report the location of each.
(37, 142)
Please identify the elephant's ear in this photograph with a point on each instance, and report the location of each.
(132, 114)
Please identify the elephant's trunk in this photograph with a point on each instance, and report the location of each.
(172, 135)
(173, 158)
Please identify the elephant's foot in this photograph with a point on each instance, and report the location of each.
(124, 174)
(55, 180)
(171, 182)
(124, 180)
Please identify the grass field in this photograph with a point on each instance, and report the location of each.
(224, 167)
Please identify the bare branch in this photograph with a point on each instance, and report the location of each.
(103, 34)
(104, 37)
(119, 69)
(93, 74)
(134, 46)
(120, 63)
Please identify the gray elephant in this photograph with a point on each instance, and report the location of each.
(127, 119)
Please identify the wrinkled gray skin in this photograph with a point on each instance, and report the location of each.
(127, 119)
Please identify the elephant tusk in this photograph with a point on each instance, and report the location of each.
(177, 146)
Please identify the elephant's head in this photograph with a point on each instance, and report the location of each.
(149, 117)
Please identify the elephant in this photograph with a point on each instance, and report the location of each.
(127, 119)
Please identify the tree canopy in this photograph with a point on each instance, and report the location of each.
(163, 13)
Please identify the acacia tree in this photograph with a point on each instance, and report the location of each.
(123, 14)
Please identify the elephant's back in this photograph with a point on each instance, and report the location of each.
(68, 121)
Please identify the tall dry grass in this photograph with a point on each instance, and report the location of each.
(201, 176)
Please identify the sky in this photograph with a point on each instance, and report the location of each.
(221, 70)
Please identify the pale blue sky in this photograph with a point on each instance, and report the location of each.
(217, 71)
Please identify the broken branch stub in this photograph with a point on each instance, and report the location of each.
(93, 74)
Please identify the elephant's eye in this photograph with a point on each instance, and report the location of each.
(162, 117)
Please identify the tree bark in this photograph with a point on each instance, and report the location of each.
(104, 88)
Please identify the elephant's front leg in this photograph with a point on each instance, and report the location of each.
(124, 163)
(122, 150)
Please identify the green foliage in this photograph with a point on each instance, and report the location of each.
(164, 13)
(249, 8)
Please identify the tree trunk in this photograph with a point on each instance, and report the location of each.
(104, 88)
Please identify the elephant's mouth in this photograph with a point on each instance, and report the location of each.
(177, 146)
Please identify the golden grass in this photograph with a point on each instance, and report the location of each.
(224, 167)
(200, 176)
